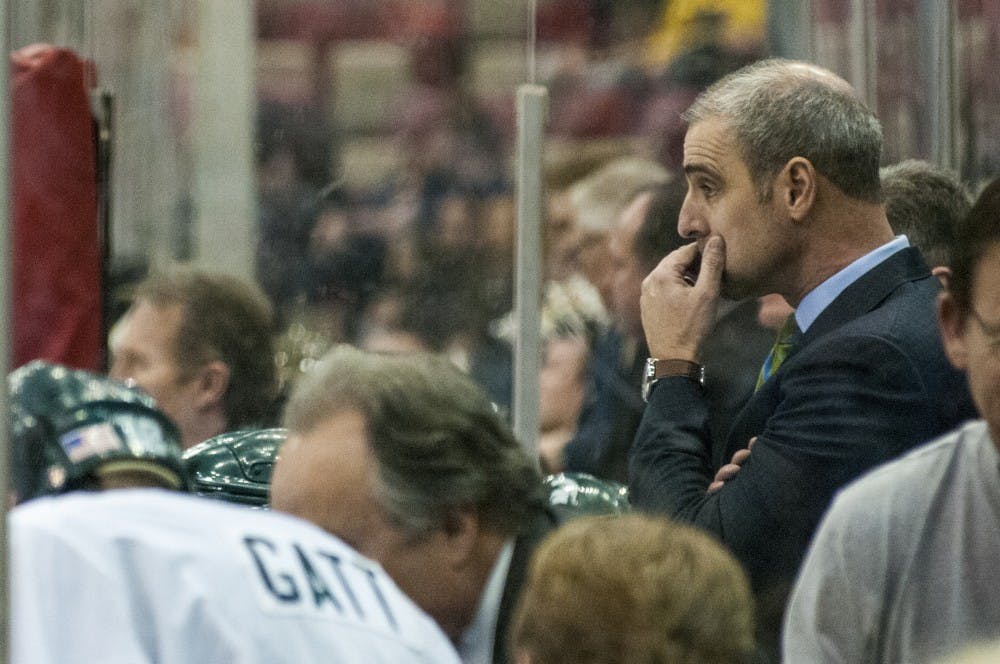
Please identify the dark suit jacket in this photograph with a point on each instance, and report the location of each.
(867, 381)
(524, 546)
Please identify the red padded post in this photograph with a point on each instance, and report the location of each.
(57, 258)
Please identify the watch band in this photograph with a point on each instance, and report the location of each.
(656, 369)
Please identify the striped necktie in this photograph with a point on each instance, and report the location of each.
(787, 336)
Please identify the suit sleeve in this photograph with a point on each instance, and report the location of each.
(840, 406)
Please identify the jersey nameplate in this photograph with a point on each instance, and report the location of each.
(294, 578)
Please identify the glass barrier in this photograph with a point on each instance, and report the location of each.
(355, 158)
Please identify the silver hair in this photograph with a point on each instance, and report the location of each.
(441, 449)
(780, 109)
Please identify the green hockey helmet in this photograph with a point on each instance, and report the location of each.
(579, 494)
(235, 466)
(70, 428)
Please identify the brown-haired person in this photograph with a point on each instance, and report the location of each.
(201, 344)
(926, 203)
(633, 589)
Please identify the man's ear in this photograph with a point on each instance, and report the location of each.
(213, 381)
(797, 187)
(952, 322)
(943, 273)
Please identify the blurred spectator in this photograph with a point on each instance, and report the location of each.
(738, 25)
(201, 344)
(562, 381)
(447, 220)
(925, 203)
(633, 588)
(596, 201)
(572, 318)
(385, 329)
(590, 23)
(341, 271)
(462, 282)
(293, 158)
(448, 141)
(344, 264)
(566, 165)
(592, 205)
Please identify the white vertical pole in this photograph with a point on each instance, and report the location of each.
(5, 303)
(790, 29)
(938, 24)
(864, 51)
(532, 103)
(225, 212)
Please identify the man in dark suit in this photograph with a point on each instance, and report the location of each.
(781, 160)
(405, 458)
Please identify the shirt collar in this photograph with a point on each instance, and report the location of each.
(819, 298)
(475, 645)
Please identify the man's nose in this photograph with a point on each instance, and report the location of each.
(690, 222)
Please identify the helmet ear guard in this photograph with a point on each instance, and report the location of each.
(72, 429)
(29, 462)
(235, 466)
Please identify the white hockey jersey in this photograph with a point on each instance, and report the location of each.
(148, 575)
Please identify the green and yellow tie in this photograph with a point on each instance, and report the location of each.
(787, 336)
